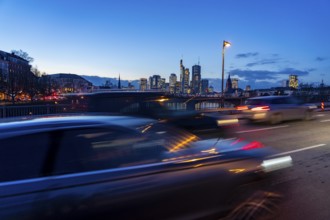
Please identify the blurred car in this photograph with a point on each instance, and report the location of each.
(275, 109)
(120, 167)
(153, 105)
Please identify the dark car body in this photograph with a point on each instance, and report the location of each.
(118, 167)
(156, 105)
(275, 109)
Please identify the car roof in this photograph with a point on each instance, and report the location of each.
(40, 124)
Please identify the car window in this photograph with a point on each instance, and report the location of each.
(279, 101)
(23, 157)
(95, 149)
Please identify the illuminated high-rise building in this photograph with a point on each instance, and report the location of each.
(184, 78)
(196, 79)
(162, 84)
(293, 81)
(186, 81)
(155, 82)
(172, 82)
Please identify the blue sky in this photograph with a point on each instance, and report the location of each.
(139, 38)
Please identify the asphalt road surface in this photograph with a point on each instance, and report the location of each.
(306, 185)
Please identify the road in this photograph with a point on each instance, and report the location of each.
(306, 185)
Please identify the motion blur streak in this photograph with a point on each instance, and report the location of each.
(227, 121)
(237, 170)
(182, 143)
(277, 163)
(252, 145)
(210, 151)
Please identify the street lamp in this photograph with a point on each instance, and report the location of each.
(224, 45)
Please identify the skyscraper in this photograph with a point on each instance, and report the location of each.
(172, 80)
(162, 84)
(143, 84)
(204, 86)
(184, 78)
(155, 82)
(196, 79)
(186, 81)
(182, 73)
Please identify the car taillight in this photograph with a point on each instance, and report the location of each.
(252, 145)
(261, 108)
(240, 108)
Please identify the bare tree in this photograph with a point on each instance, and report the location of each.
(36, 71)
(12, 86)
(24, 55)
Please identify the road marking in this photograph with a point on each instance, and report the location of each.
(262, 129)
(327, 120)
(298, 150)
(320, 115)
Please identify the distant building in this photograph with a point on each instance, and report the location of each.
(293, 81)
(196, 79)
(186, 81)
(177, 89)
(130, 86)
(184, 78)
(155, 82)
(162, 83)
(172, 83)
(70, 83)
(119, 82)
(204, 86)
(234, 82)
(285, 83)
(143, 84)
(229, 85)
(248, 88)
(15, 75)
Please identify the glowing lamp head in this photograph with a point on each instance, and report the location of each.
(226, 44)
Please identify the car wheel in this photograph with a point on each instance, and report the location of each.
(275, 119)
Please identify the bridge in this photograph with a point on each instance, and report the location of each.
(199, 102)
(120, 100)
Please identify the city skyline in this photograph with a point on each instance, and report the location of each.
(136, 39)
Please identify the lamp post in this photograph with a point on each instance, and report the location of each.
(224, 45)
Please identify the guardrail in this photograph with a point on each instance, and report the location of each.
(16, 111)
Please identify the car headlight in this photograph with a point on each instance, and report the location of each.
(276, 163)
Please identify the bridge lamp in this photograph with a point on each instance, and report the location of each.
(224, 45)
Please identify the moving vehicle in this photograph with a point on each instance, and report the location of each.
(275, 109)
(156, 105)
(120, 167)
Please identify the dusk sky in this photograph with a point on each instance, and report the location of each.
(271, 39)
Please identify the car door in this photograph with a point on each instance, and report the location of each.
(96, 172)
(21, 181)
